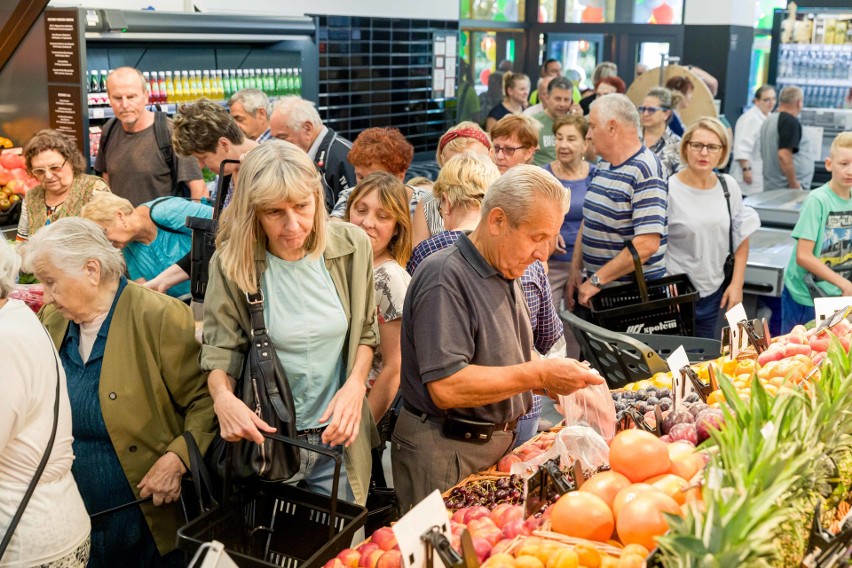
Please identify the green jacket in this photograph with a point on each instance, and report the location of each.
(151, 390)
(349, 259)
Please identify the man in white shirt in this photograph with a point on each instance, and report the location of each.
(747, 165)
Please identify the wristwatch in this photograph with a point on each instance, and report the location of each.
(595, 281)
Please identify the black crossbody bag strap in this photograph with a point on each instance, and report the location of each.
(730, 217)
(42, 464)
(263, 351)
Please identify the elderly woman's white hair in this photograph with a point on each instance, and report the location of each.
(68, 244)
(10, 264)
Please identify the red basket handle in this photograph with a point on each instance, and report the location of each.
(640, 275)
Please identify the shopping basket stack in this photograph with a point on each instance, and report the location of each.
(664, 306)
(279, 525)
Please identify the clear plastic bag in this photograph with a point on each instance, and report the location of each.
(592, 407)
(581, 442)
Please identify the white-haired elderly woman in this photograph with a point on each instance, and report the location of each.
(131, 361)
(317, 281)
(26, 420)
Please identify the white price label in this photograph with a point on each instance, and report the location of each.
(825, 307)
(739, 340)
(680, 387)
(430, 512)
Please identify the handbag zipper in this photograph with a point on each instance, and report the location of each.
(257, 410)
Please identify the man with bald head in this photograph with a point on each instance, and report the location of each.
(136, 157)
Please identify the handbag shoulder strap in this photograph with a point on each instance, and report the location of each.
(42, 464)
(730, 217)
(261, 354)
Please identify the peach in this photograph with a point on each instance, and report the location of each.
(390, 559)
(349, 557)
(373, 558)
(528, 562)
(513, 529)
(334, 563)
(384, 537)
(563, 557)
(505, 463)
(366, 549)
(482, 548)
(499, 560)
(476, 512)
(497, 513)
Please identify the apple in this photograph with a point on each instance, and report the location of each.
(480, 525)
(350, 557)
(513, 529)
(366, 549)
(505, 463)
(390, 559)
(373, 558)
(482, 548)
(476, 512)
(384, 537)
(513, 513)
(497, 513)
(458, 516)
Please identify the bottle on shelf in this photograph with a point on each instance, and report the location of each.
(240, 84)
(185, 87)
(297, 85)
(103, 97)
(206, 86)
(161, 86)
(171, 94)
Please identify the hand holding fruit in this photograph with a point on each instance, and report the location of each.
(564, 376)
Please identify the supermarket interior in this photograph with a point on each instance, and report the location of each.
(459, 283)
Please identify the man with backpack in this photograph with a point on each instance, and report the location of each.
(137, 160)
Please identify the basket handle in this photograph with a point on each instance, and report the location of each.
(335, 481)
(637, 265)
(220, 189)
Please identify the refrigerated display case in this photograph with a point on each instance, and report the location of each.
(813, 49)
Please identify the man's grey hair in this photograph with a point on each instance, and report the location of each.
(253, 100)
(790, 95)
(516, 191)
(560, 83)
(298, 111)
(10, 264)
(617, 107)
(68, 244)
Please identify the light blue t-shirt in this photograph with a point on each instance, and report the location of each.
(171, 244)
(307, 327)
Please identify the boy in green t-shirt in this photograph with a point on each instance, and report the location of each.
(821, 264)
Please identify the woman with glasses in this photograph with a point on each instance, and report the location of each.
(655, 113)
(747, 165)
(514, 140)
(64, 187)
(699, 224)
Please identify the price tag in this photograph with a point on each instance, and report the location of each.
(739, 340)
(680, 387)
(422, 517)
(97, 113)
(825, 307)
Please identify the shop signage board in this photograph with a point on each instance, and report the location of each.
(64, 73)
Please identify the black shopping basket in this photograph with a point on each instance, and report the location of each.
(663, 306)
(204, 237)
(275, 524)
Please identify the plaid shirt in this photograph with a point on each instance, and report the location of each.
(546, 325)
(267, 135)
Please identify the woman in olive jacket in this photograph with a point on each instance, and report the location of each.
(317, 282)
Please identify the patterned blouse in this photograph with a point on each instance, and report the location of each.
(391, 282)
(35, 213)
(667, 149)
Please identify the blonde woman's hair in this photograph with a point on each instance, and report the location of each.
(68, 244)
(421, 182)
(516, 191)
(273, 172)
(459, 144)
(464, 179)
(394, 199)
(103, 207)
(711, 125)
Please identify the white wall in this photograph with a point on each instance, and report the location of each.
(416, 9)
(720, 12)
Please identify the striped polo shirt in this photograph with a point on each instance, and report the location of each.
(622, 202)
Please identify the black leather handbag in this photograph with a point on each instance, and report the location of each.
(264, 388)
(728, 268)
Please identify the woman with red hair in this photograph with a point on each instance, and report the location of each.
(379, 150)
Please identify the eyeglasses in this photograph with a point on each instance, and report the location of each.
(508, 150)
(651, 110)
(41, 172)
(699, 147)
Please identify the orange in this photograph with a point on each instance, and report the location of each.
(606, 485)
(582, 515)
(638, 455)
(642, 520)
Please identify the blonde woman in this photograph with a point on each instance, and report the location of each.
(319, 308)
(516, 91)
(463, 137)
(153, 237)
(379, 205)
(699, 223)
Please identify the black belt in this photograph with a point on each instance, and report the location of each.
(311, 431)
(424, 417)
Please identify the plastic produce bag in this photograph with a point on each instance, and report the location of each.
(581, 442)
(592, 407)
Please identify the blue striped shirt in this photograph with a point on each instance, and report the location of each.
(622, 202)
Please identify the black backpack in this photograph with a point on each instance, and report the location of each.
(164, 144)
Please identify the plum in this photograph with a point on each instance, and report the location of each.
(712, 418)
(680, 416)
(684, 431)
(697, 408)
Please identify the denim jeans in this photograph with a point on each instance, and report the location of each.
(316, 473)
(793, 313)
(707, 314)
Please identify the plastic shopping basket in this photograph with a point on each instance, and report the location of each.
(276, 524)
(664, 306)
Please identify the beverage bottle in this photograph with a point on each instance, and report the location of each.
(170, 88)
(278, 90)
(291, 82)
(206, 86)
(232, 81)
(269, 82)
(90, 80)
(161, 85)
(185, 86)
(147, 77)
(241, 83)
(297, 87)
(218, 86)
